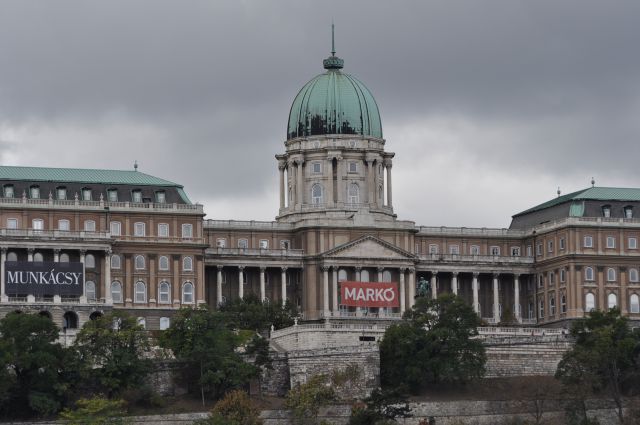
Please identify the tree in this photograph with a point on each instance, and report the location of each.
(113, 352)
(305, 400)
(235, 408)
(434, 344)
(95, 411)
(381, 407)
(602, 359)
(31, 366)
(201, 340)
(251, 313)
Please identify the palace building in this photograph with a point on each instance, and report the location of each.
(336, 248)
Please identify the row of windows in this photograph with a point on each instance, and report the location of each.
(590, 303)
(352, 167)
(38, 257)
(139, 228)
(140, 292)
(86, 194)
(587, 242)
(244, 243)
(140, 262)
(353, 193)
(589, 275)
(627, 211)
(473, 250)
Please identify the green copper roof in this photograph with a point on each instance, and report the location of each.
(334, 103)
(80, 175)
(592, 193)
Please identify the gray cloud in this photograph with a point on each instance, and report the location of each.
(495, 100)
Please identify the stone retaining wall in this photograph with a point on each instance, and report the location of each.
(524, 359)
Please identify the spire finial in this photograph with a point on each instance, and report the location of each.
(558, 192)
(593, 182)
(135, 165)
(333, 40)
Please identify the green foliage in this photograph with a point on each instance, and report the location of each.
(305, 400)
(113, 353)
(201, 340)
(433, 345)
(251, 313)
(602, 359)
(381, 407)
(95, 411)
(235, 408)
(31, 366)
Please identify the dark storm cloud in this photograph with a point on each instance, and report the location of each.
(541, 87)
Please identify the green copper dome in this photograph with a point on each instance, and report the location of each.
(334, 103)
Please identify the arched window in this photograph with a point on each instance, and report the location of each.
(342, 275)
(634, 303)
(353, 193)
(187, 264)
(364, 276)
(633, 275)
(140, 292)
(165, 322)
(611, 274)
(187, 293)
(164, 292)
(89, 261)
(12, 256)
(115, 261)
(612, 301)
(563, 303)
(90, 290)
(64, 225)
(163, 262)
(64, 258)
(588, 273)
(142, 322)
(70, 320)
(552, 305)
(38, 258)
(116, 291)
(139, 262)
(386, 276)
(316, 194)
(590, 302)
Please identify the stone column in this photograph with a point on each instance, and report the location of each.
(434, 282)
(335, 291)
(370, 189)
(474, 285)
(281, 166)
(283, 285)
(219, 286)
(83, 298)
(339, 174)
(30, 254)
(240, 282)
(454, 283)
(56, 255)
(412, 287)
(300, 182)
(402, 292)
(389, 194)
(3, 258)
(496, 299)
(380, 270)
(330, 182)
(325, 291)
(291, 180)
(262, 284)
(107, 277)
(516, 296)
(358, 273)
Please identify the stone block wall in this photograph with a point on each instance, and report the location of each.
(524, 359)
(276, 381)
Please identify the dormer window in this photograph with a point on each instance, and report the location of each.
(112, 195)
(34, 192)
(136, 196)
(606, 211)
(8, 191)
(61, 193)
(628, 211)
(86, 194)
(161, 197)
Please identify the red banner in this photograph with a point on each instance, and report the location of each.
(369, 294)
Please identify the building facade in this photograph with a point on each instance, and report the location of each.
(145, 248)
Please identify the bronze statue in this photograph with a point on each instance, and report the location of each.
(423, 287)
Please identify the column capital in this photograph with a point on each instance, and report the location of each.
(219, 267)
(476, 274)
(262, 269)
(358, 268)
(380, 268)
(282, 165)
(387, 163)
(241, 268)
(411, 269)
(284, 268)
(325, 268)
(516, 275)
(434, 272)
(299, 161)
(455, 273)
(82, 251)
(496, 275)
(30, 250)
(107, 252)
(3, 250)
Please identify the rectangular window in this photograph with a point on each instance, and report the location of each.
(539, 249)
(284, 244)
(454, 249)
(12, 223)
(34, 192)
(89, 226)
(317, 168)
(221, 243)
(163, 230)
(61, 193)
(588, 242)
(515, 251)
(243, 243)
(475, 250)
(64, 225)
(606, 212)
(8, 191)
(552, 278)
(139, 229)
(187, 230)
(264, 244)
(494, 250)
(561, 243)
(550, 246)
(38, 224)
(353, 167)
(628, 212)
(161, 197)
(529, 251)
(540, 281)
(86, 194)
(611, 242)
(116, 228)
(112, 195)
(633, 243)
(433, 249)
(136, 196)
(562, 276)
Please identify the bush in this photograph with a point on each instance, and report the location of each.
(236, 408)
(95, 411)
(306, 400)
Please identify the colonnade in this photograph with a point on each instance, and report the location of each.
(241, 282)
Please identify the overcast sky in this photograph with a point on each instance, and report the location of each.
(488, 105)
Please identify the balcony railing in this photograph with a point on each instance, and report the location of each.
(52, 234)
(470, 231)
(296, 253)
(493, 259)
(235, 224)
(101, 205)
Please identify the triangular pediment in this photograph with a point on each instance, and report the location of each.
(368, 247)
